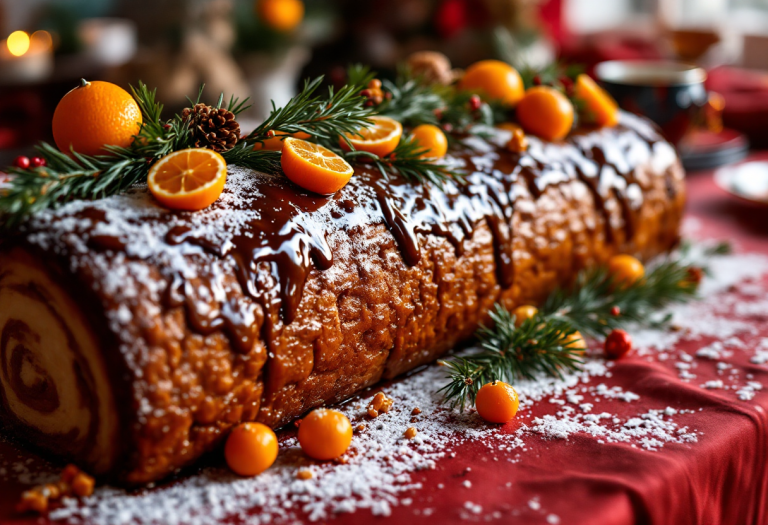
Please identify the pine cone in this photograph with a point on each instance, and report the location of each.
(212, 128)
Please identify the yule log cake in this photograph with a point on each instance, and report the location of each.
(134, 337)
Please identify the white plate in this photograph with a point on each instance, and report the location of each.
(748, 181)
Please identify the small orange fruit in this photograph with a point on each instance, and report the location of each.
(281, 15)
(432, 139)
(600, 106)
(94, 115)
(314, 167)
(625, 270)
(189, 179)
(575, 342)
(546, 112)
(325, 434)
(523, 313)
(497, 402)
(380, 139)
(494, 79)
(251, 449)
(276, 143)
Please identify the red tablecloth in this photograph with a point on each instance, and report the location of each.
(696, 402)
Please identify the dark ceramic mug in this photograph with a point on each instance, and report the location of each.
(671, 94)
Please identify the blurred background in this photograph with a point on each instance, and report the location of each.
(264, 48)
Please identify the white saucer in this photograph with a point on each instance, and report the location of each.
(747, 181)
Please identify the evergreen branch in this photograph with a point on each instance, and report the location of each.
(415, 102)
(408, 161)
(64, 179)
(324, 118)
(538, 345)
(589, 303)
(412, 102)
(244, 155)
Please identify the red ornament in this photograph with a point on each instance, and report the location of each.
(615, 311)
(474, 103)
(38, 162)
(617, 344)
(21, 162)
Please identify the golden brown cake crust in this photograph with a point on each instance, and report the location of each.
(191, 370)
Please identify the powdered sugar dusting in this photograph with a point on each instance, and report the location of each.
(381, 470)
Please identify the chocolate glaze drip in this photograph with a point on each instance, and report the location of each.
(286, 231)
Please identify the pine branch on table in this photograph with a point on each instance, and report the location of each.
(509, 353)
(589, 302)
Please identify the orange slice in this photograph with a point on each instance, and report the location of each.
(599, 104)
(189, 179)
(314, 167)
(381, 138)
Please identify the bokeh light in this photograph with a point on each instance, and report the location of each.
(41, 40)
(18, 43)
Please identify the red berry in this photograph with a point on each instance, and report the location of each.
(695, 275)
(617, 344)
(447, 127)
(474, 103)
(615, 311)
(438, 113)
(537, 80)
(38, 162)
(21, 162)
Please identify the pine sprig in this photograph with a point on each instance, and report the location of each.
(76, 176)
(408, 161)
(65, 179)
(594, 306)
(589, 303)
(324, 118)
(539, 345)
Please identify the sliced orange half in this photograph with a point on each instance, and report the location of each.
(381, 138)
(600, 106)
(189, 179)
(314, 167)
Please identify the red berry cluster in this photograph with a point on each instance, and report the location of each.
(25, 162)
(374, 93)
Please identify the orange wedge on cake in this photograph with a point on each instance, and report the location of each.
(189, 179)
(314, 167)
(381, 138)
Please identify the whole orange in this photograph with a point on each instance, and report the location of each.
(432, 139)
(497, 402)
(625, 270)
(281, 15)
(251, 449)
(94, 115)
(546, 112)
(494, 79)
(325, 434)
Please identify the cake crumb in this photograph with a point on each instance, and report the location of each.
(380, 404)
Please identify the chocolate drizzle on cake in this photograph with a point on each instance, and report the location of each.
(274, 234)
